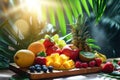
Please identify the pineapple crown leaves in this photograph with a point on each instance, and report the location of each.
(82, 28)
(91, 43)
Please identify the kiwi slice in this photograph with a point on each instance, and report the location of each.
(86, 56)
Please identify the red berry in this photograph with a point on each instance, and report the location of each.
(40, 60)
(47, 43)
(92, 63)
(78, 64)
(98, 61)
(119, 63)
(108, 67)
(84, 65)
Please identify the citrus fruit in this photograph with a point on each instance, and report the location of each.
(24, 58)
(86, 56)
(36, 47)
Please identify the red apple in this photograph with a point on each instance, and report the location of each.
(71, 51)
(53, 49)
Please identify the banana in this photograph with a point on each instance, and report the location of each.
(101, 56)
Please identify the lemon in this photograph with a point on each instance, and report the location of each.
(24, 58)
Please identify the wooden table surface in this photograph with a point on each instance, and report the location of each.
(6, 74)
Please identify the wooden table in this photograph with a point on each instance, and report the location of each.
(6, 74)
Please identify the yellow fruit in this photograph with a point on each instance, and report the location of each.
(63, 58)
(71, 62)
(55, 56)
(49, 61)
(24, 58)
(67, 65)
(101, 56)
(36, 47)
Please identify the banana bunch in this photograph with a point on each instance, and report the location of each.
(101, 56)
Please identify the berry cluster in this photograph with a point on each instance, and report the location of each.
(39, 68)
(93, 63)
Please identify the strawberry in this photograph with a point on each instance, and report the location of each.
(92, 63)
(108, 67)
(84, 65)
(78, 64)
(40, 60)
(98, 62)
(118, 63)
(48, 42)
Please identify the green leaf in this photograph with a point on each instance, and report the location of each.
(78, 6)
(52, 15)
(85, 7)
(90, 1)
(44, 13)
(61, 19)
(4, 62)
(67, 11)
(74, 10)
(93, 46)
(90, 40)
(42, 54)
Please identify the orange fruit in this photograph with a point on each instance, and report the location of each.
(36, 47)
(24, 58)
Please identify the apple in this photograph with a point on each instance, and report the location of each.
(53, 49)
(71, 51)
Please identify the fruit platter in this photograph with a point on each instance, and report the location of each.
(52, 57)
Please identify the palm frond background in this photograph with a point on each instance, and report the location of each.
(106, 32)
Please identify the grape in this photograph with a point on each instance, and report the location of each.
(56, 38)
(61, 43)
(47, 36)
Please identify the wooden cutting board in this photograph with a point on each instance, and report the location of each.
(55, 73)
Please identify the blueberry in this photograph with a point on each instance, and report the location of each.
(38, 69)
(50, 68)
(37, 65)
(44, 69)
(32, 68)
(43, 66)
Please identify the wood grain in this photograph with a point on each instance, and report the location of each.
(55, 73)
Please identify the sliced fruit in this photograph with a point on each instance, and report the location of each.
(36, 47)
(53, 49)
(86, 56)
(63, 58)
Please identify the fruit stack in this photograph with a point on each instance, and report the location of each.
(53, 53)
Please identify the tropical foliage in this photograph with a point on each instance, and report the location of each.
(60, 15)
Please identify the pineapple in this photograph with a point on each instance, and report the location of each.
(80, 33)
